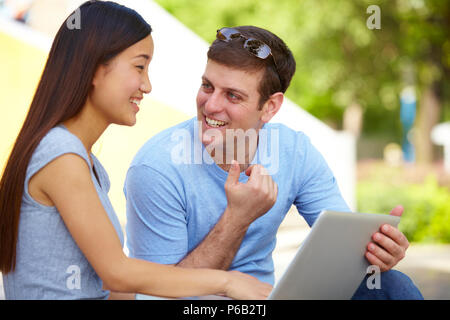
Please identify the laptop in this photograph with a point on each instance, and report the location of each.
(330, 264)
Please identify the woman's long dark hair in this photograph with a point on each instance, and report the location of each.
(102, 31)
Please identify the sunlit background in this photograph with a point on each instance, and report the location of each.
(372, 92)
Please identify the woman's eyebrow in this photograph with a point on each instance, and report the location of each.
(145, 56)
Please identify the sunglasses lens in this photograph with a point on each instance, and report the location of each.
(258, 48)
(227, 34)
(254, 46)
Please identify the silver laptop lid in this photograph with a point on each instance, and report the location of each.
(330, 263)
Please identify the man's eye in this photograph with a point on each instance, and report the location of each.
(232, 96)
(140, 67)
(206, 86)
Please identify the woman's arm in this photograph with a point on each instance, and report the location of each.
(67, 183)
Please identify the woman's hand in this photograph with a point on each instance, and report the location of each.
(242, 286)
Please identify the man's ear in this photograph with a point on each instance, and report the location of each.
(272, 106)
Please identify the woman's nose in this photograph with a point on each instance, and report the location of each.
(146, 86)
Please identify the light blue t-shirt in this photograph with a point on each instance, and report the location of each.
(175, 195)
(49, 264)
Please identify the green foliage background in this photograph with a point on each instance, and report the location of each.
(339, 60)
(426, 217)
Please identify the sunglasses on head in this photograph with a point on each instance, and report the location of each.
(254, 46)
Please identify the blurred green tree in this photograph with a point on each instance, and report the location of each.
(342, 63)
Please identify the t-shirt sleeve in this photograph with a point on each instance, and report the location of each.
(317, 189)
(156, 219)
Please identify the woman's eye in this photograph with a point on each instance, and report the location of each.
(140, 67)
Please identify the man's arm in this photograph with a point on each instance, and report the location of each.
(246, 202)
(219, 247)
(316, 187)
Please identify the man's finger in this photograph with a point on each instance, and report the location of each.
(395, 235)
(381, 254)
(249, 170)
(373, 260)
(397, 211)
(388, 244)
(259, 168)
(233, 173)
(253, 171)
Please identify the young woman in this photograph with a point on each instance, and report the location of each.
(59, 235)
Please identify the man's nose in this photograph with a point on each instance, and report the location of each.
(214, 104)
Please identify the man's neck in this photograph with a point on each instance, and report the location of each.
(244, 158)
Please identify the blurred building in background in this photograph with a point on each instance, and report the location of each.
(175, 73)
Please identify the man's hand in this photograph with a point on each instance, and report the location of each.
(248, 201)
(388, 246)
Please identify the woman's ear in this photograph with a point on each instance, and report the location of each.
(99, 74)
(272, 106)
(96, 77)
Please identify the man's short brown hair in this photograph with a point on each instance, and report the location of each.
(277, 75)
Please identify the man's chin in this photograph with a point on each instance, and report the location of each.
(212, 135)
(212, 142)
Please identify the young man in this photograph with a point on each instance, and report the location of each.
(212, 191)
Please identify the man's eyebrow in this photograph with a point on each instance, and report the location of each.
(204, 78)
